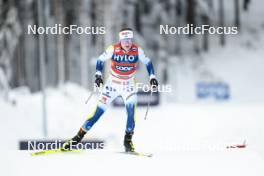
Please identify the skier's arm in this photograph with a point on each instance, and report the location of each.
(100, 64)
(102, 58)
(146, 60)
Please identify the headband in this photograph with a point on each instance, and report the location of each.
(127, 34)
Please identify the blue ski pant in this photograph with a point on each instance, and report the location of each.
(112, 89)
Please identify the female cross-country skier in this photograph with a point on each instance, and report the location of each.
(124, 57)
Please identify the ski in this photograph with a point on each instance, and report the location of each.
(138, 154)
(52, 151)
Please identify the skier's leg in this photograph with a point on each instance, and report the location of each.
(106, 97)
(130, 103)
(93, 118)
(131, 115)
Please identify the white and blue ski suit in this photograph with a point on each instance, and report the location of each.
(120, 82)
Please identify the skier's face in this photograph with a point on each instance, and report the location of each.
(126, 44)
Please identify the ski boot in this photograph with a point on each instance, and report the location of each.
(128, 144)
(74, 141)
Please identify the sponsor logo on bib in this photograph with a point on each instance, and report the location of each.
(124, 68)
(125, 58)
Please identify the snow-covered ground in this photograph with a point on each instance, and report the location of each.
(235, 163)
(186, 139)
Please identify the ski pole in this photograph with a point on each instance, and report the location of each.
(91, 94)
(148, 105)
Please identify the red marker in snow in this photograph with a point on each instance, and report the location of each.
(237, 145)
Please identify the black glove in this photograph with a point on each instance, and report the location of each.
(154, 83)
(98, 80)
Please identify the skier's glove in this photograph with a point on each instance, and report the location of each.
(154, 83)
(98, 80)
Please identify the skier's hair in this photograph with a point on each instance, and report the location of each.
(126, 29)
